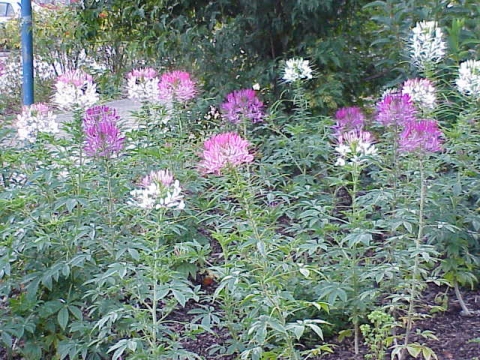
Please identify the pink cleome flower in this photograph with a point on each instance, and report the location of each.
(77, 78)
(176, 86)
(243, 105)
(102, 134)
(142, 74)
(223, 150)
(422, 136)
(163, 177)
(348, 118)
(395, 110)
(97, 114)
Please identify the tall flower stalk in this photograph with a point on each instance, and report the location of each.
(103, 141)
(419, 138)
(393, 112)
(427, 46)
(176, 88)
(296, 72)
(159, 193)
(355, 148)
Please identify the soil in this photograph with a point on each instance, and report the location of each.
(458, 335)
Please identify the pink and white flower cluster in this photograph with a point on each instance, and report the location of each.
(158, 190)
(34, 119)
(172, 87)
(75, 89)
(421, 92)
(354, 145)
(142, 85)
(397, 111)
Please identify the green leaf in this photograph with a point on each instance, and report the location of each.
(305, 272)
(180, 297)
(428, 353)
(297, 329)
(317, 329)
(414, 350)
(75, 311)
(62, 317)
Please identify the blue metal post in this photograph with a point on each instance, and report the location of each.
(27, 52)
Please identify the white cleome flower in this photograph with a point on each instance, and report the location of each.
(143, 91)
(75, 89)
(297, 69)
(427, 46)
(468, 81)
(422, 92)
(355, 146)
(34, 119)
(159, 190)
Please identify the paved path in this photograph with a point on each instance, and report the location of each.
(124, 108)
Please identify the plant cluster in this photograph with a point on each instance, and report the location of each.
(267, 220)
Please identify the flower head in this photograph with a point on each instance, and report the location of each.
(142, 85)
(2, 68)
(427, 46)
(421, 136)
(468, 81)
(34, 119)
(99, 113)
(348, 118)
(297, 69)
(395, 109)
(422, 93)
(102, 134)
(158, 190)
(355, 146)
(176, 86)
(223, 150)
(243, 105)
(75, 89)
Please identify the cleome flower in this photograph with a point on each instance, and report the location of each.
(158, 190)
(427, 46)
(102, 134)
(142, 85)
(222, 151)
(75, 89)
(297, 69)
(421, 92)
(354, 146)
(468, 81)
(176, 86)
(243, 105)
(395, 109)
(34, 119)
(421, 136)
(348, 118)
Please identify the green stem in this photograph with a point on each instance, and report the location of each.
(354, 220)
(155, 299)
(418, 242)
(110, 204)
